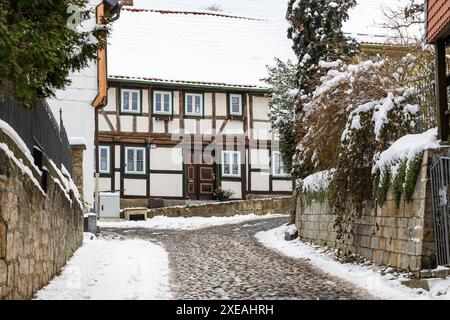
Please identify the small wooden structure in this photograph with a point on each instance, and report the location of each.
(438, 33)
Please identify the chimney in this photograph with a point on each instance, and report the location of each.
(127, 3)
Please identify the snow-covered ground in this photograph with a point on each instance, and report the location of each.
(366, 276)
(181, 223)
(112, 269)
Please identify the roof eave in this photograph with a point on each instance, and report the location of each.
(190, 85)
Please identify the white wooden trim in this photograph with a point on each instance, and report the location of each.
(108, 159)
(162, 93)
(130, 91)
(144, 160)
(231, 163)
(241, 102)
(193, 104)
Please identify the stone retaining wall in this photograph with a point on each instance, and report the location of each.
(283, 205)
(399, 237)
(38, 232)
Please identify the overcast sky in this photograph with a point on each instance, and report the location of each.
(365, 18)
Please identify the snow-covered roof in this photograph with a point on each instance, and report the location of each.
(195, 48)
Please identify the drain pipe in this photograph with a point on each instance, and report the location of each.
(97, 171)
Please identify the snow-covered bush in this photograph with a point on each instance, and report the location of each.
(356, 112)
(400, 164)
(326, 113)
(371, 128)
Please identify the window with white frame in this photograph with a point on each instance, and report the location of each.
(235, 104)
(162, 102)
(277, 165)
(134, 160)
(104, 158)
(231, 163)
(194, 104)
(130, 101)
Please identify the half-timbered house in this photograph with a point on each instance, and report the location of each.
(187, 111)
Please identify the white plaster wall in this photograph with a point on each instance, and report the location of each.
(260, 181)
(135, 187)
(262, 130)
(189, 126)
(207, 104)
(78, 114)
(176, 102)
(116, 180)
(117, 157)
(102, 124)
(111, 106)
(221, 104)
(206, 126)
(218, 125)
(145, 101)
(126, 123)
(234, 127)
(234, 186)
(281, 185)
(260, 108)
(158, 126)
(174, 126)
(168, 185)
(104, 184)
(260, 158)
(142, 124)
(166, 159)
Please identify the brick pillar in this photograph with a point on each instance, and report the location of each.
(77, 166)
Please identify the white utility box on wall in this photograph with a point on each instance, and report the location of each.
(109, 205)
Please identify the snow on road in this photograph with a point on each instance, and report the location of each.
(112, 269)
(382, 286)
(181, 223)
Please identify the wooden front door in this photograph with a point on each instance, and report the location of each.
(201, 179)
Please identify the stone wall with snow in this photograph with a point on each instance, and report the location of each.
(400, 237)
(40, 223)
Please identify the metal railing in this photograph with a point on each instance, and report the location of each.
(440, 183)
(37, 127)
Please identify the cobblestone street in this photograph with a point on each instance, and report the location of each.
(227, 262)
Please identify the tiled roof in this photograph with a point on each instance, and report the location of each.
(201, 48)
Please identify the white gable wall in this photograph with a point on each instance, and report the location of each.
(78, 114)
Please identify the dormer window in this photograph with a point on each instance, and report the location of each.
(130, 101)
(235, 105)
(162, 102)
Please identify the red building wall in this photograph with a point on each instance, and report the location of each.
(438, 19)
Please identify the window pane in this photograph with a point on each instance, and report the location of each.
(226, 163)
(126, 100)
(235, 105)
(103, 159)
(157, 102)
(166, 102)
(235, 163)
(130, 160)
(197, 104)
(134, 101)
(140, 160)
(189, 104)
